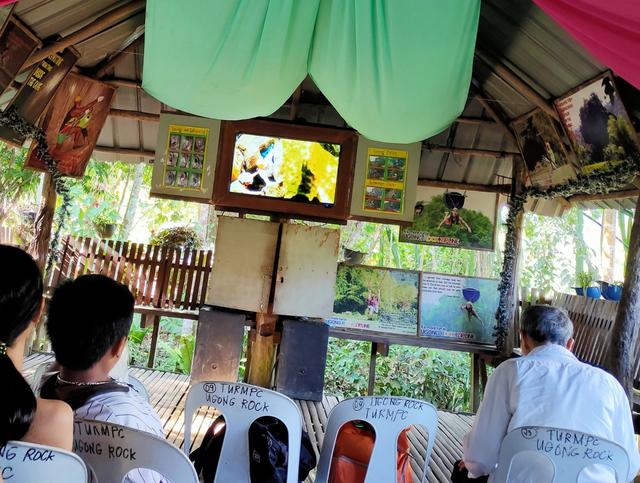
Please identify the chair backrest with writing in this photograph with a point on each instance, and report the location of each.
(568, 452)
(389, 416)
(241, 404)
(112, 451)
(27, 462)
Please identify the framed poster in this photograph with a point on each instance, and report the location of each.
(547, 158)
(17, 43)
(73, 123)
(37, 90)
(376, 299)
(459, 308)
(385, 181)
(598, 124)
(453, 219)
(185, 157)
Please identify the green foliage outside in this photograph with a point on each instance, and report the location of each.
(439, 377)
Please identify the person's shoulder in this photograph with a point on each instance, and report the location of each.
(127, 409)
(52, 424)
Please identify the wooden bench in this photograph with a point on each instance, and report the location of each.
(165, 282)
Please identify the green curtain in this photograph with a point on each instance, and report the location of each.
(226, 59)
(396, 70)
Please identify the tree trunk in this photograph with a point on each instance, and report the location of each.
(624, 333)
(132, 205)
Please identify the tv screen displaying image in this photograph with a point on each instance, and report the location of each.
(286, 169)
(271, 167)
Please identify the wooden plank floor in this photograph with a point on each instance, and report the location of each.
(168, 392)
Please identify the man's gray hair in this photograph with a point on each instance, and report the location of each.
(546, 324)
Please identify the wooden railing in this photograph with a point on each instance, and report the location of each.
(164, 281)
(6, 236)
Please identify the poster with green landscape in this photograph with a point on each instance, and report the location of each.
(376, 299)
(461, 308)
(453, 219)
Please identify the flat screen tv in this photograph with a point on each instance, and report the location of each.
(277, 167)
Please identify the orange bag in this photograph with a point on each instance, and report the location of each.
(352, 452)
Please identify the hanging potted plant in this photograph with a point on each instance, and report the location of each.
(584, 282)
(105, 223)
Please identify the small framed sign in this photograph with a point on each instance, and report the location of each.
(185, 158)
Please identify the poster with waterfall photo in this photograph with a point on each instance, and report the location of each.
(456, 307)
(598, 125)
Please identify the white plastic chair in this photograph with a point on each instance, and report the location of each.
(27, 462)
(389, 416)
(123, 449)
(568, 452)
(241, 404)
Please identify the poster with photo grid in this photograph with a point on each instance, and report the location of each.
(385, 180)
(186, 157)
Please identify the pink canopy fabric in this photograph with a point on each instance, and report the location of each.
(609, 29)
(6, 2)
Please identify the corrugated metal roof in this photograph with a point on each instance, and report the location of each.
(517, 32)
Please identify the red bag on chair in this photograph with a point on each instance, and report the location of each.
(352, 452)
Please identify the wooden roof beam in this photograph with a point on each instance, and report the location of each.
(135, 115)
(95, 27)
(486, 102)
(485, 188)
(616, 195)
(109, 63)
(118, 82)
(476, 120)
(511, 78)
(470, 151)
(128, 151)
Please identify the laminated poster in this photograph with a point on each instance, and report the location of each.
(376, 299)
(385, 180)
(459, 308)
(186, 157)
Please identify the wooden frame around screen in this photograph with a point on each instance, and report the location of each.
(226, 200)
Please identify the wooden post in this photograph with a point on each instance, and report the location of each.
(263, 351)
(476, 390)
(372, 368)
(155, 320)
(518, 186)
(624, 333)
(39, 247)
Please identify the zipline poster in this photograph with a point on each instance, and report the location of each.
(385, 180)
(453, 219)
(376, 299)
(460, 308)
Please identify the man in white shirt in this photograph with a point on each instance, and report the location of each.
(88, 323)
(549, 386)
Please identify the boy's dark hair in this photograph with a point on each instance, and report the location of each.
(87, 316)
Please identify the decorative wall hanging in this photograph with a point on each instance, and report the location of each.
(548, 160)
(598, 124)
(17, 43)
(401, 76)
(460, 308)
(73, 123)
(376, 299)
(33, 97)
(186, 156)
(453, 219)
